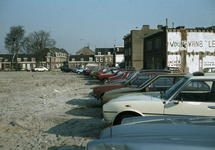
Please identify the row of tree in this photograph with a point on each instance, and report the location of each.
(16, 42)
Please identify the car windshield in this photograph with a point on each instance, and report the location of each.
(168, 93)
(131, 77)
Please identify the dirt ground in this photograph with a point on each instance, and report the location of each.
(48, 110)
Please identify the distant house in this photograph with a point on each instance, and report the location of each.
(86, 51)
(50, 58)
(83, 57)
(25, 61)
(81, 60)
(55, 57)
(104, 56)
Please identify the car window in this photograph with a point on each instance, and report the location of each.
(197, 86)
(196, 91)
(141, 79)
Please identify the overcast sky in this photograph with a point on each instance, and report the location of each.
(99, 23)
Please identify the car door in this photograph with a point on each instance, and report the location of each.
(196, 98)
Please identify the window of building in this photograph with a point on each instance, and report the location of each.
(129, 63)
(7, 66)
(149, 45)
(109, 53)
(5, 60)
(129, 51)
(101, 59)
(117, 49)
(158, 43)
(82, 59)
(99, 53)
(106, 59)
(48, 54)
(25, 59)
(33, 59)
(110, 59)
(73, 59)
(126, 52)
(97, 59)
(18, 59)
(90, 58)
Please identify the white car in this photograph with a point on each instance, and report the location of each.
(39, 69)
(192, 95)
(79, 71)
(159, 133)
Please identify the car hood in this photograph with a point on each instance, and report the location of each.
(138, 96)
(120, 92)
(181, 134)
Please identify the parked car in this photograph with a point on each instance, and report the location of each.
(56, 69)
(87, 72)
(120, 76)
(112, 71)
(173, 69)
(41, 68)
(99, 72)
(159, 133)
(67, 69)
(158, 82)
(137, 79)
(192, 95)
(104, 77)
(79, 70)
(96, 69)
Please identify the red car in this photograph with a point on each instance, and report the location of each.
(98, 73)
(120, 76)
(104, 78)
(136, 80)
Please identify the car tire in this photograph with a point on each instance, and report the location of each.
(105, 81)
(78, 72)
(119, 119)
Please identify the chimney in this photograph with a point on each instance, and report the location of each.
(166, 23)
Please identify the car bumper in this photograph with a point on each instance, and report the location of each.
(106, 122)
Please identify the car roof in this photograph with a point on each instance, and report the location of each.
(155, 70)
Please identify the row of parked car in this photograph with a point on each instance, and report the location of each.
(154, 109)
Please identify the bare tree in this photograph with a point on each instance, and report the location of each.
(14, 41)
(36, 42)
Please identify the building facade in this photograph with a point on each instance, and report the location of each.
(118, 57)
(188, 49)
(133, 45)
(104, 56)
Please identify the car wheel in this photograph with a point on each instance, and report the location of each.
(78, 72)
(119, 119)
(36, 70)
(105, 81)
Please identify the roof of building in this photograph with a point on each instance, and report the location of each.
(86, 51)
(104, 51)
